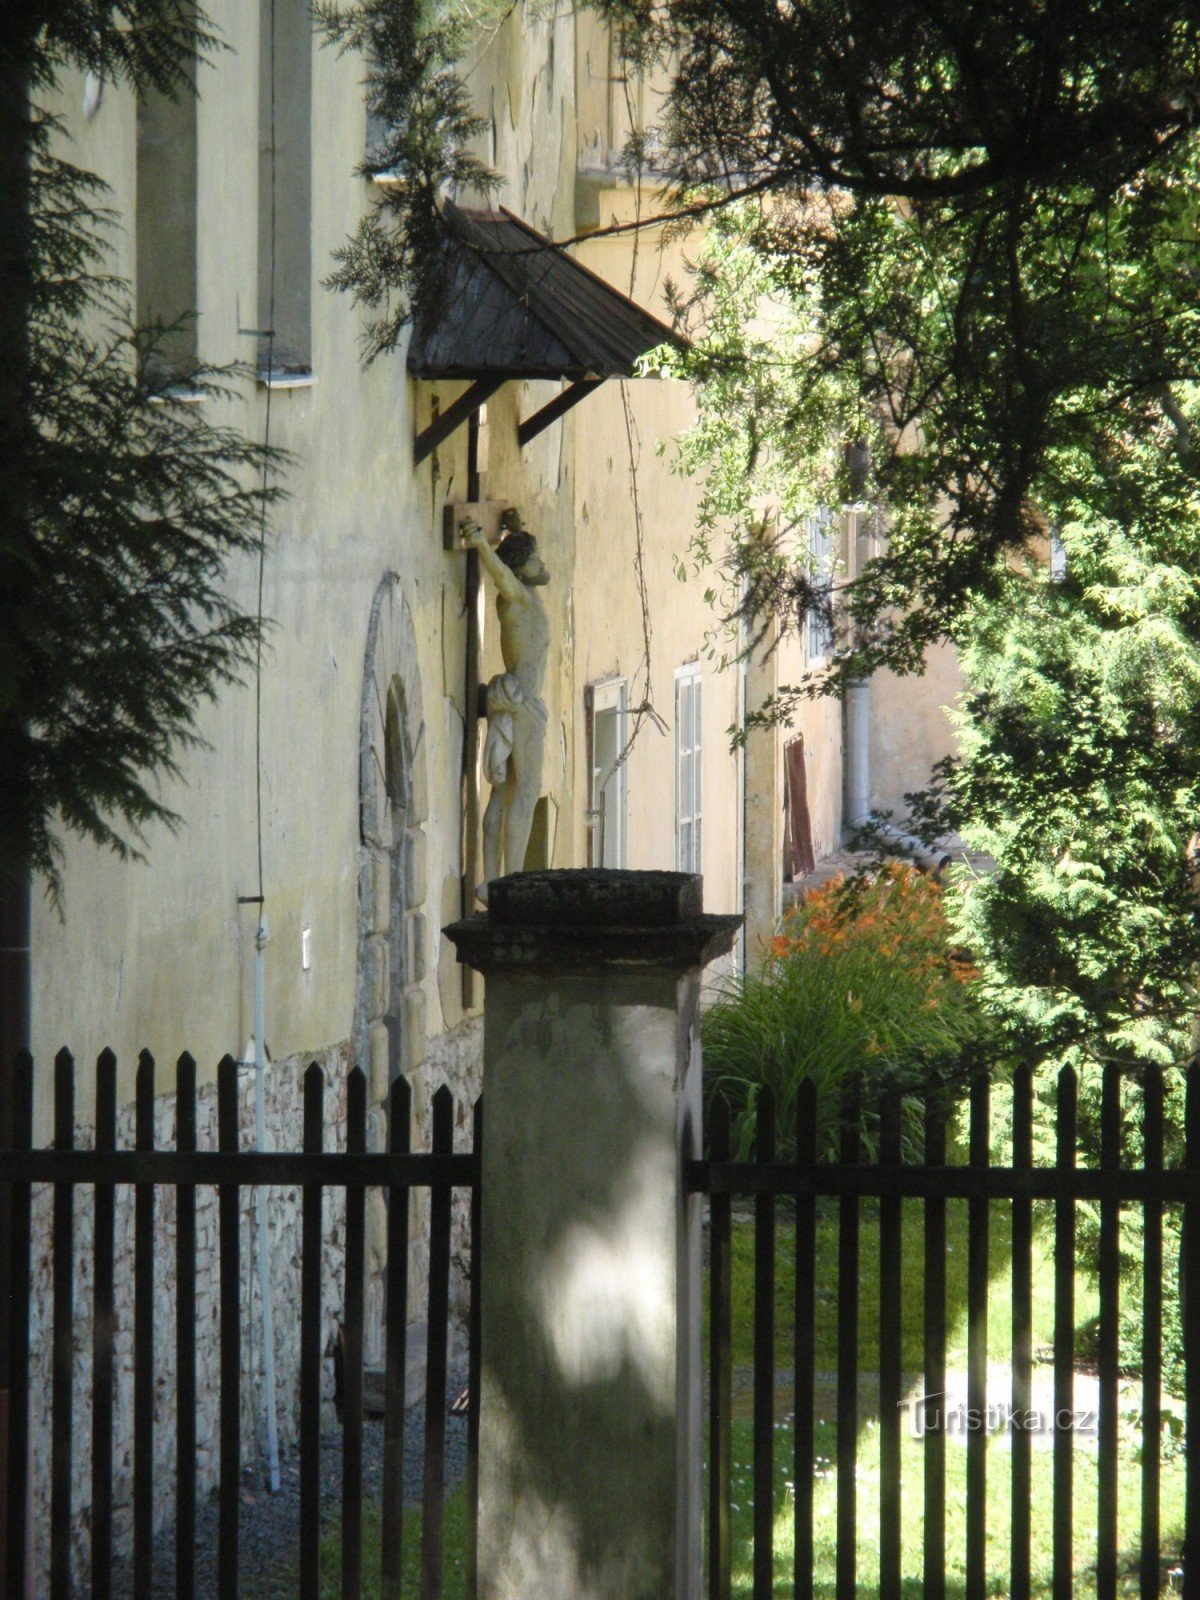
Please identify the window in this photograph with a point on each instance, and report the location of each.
(285, 190)
(688, 789)
(166, 227)
(818, 623)
(607, 801)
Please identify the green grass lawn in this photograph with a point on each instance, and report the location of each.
(998, 1519)
(911, 1333)
(910, 1325)
(911, 1291)
(282, 1581)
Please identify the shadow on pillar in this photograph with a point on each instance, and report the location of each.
(590, 1407)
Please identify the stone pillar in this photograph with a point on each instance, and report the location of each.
(590, 1420)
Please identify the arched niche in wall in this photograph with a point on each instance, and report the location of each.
(389, 1019)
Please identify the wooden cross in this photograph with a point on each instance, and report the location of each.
(487, 514)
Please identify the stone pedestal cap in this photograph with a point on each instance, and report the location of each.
(578, 919)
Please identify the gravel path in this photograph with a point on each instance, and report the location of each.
(269, 1523)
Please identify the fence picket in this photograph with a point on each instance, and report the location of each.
(103, 1168)
(765, 1178)
(1062, 1580)
(103, 1329)
(310, 1345)
(228, 1205)
(764, 1358)
(720, 1366)
(1152, 1304)
(352, 1350)
(474, 1370)
(63, 1358)
(6, 1202)
(1020, 1579)
(804, 1359)
(435, 1359)
(847, 1368)
(16, 1486)
(7, 1069)
(1191, 1341)
(143, 1339)
(933, 1446)
(890, 1319)
(1110, 1266)
(392, 1518)
(977, 1333)
(185, 1339)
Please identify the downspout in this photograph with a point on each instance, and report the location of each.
(856, 706)
(256, 1057)
(260, 1198)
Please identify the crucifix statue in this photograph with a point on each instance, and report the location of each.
(516, 713)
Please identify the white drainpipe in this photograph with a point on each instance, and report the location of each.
(260, 1196)
(856, 706)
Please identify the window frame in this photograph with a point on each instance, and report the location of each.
(606, 696)
(821, 549)
(689, 826)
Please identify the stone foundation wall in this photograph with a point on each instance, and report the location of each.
(453, 1059)
(456, 1059)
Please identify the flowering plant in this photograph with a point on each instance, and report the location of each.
(895, 914)
(862, 985)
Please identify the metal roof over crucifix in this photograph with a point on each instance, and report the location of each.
(516, 305)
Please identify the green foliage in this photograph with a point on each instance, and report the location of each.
(147, 43)
(913, 101)
(766, 417)
(859, 987)
(1080, 767)
(909, 1326)
(392, 264)
(977, 238)
(988, 227)
(129, 502)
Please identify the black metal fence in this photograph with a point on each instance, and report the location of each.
(313, 1169)
(1030, 1196)
(1024, 1189)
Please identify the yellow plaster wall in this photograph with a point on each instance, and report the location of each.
(910, 729)
(158, 952)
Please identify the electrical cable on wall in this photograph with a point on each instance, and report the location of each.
(643, 708)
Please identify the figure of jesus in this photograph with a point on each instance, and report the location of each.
(516, 736)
